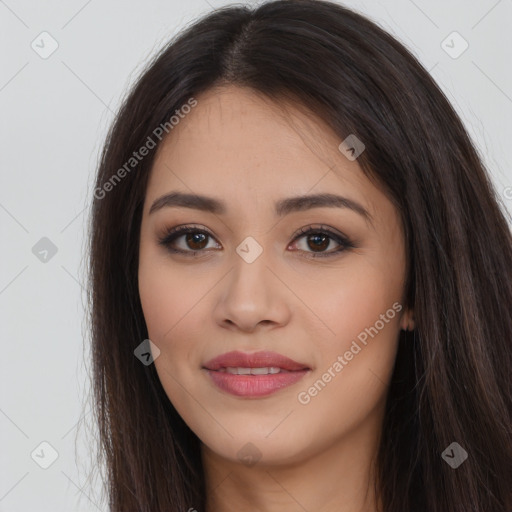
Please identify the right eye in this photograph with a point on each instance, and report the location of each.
(194, 240)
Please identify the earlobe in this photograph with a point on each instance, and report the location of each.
(407, 322)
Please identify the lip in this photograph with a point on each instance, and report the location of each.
(262, 359)
(254, 385)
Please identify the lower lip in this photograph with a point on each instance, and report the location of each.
(254, 385)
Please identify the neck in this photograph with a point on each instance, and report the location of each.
(339, 478)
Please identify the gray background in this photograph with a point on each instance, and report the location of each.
(55, 113)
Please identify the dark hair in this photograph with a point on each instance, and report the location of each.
(451, 380)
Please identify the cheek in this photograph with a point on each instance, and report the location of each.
(166, 294)
(347, 300)
(169, 302)
(158, 305)
(351, 380)
(356, 345)
(173, 301)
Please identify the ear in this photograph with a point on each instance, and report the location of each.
(407, 321)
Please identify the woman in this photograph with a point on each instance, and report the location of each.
(300, 279)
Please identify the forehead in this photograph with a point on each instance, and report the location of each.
(236, 143)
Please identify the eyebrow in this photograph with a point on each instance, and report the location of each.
(282, 207)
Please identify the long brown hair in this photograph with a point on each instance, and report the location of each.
(451, 380)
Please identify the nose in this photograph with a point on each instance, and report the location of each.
(251, 296)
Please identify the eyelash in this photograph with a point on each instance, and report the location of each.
(174, 233)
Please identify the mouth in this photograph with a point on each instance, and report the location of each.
(254, 375)
(258, 361)
(272, 370)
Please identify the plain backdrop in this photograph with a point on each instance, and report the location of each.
(54, 115)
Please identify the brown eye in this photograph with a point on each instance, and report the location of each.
(186, 239)
(196, 241)
(192, 241)
(318, 240)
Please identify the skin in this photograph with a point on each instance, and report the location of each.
(241, 148)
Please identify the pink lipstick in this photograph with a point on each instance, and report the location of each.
(254, 375)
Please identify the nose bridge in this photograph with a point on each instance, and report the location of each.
(250, 294)
(250, 274)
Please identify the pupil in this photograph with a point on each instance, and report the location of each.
(193, 239)
(320, 238)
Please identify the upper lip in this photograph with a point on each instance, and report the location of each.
(263, 359)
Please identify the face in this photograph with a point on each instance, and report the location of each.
(320, 283)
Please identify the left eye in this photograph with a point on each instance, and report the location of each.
(317, 242)
(196, 240)
(321, 238)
